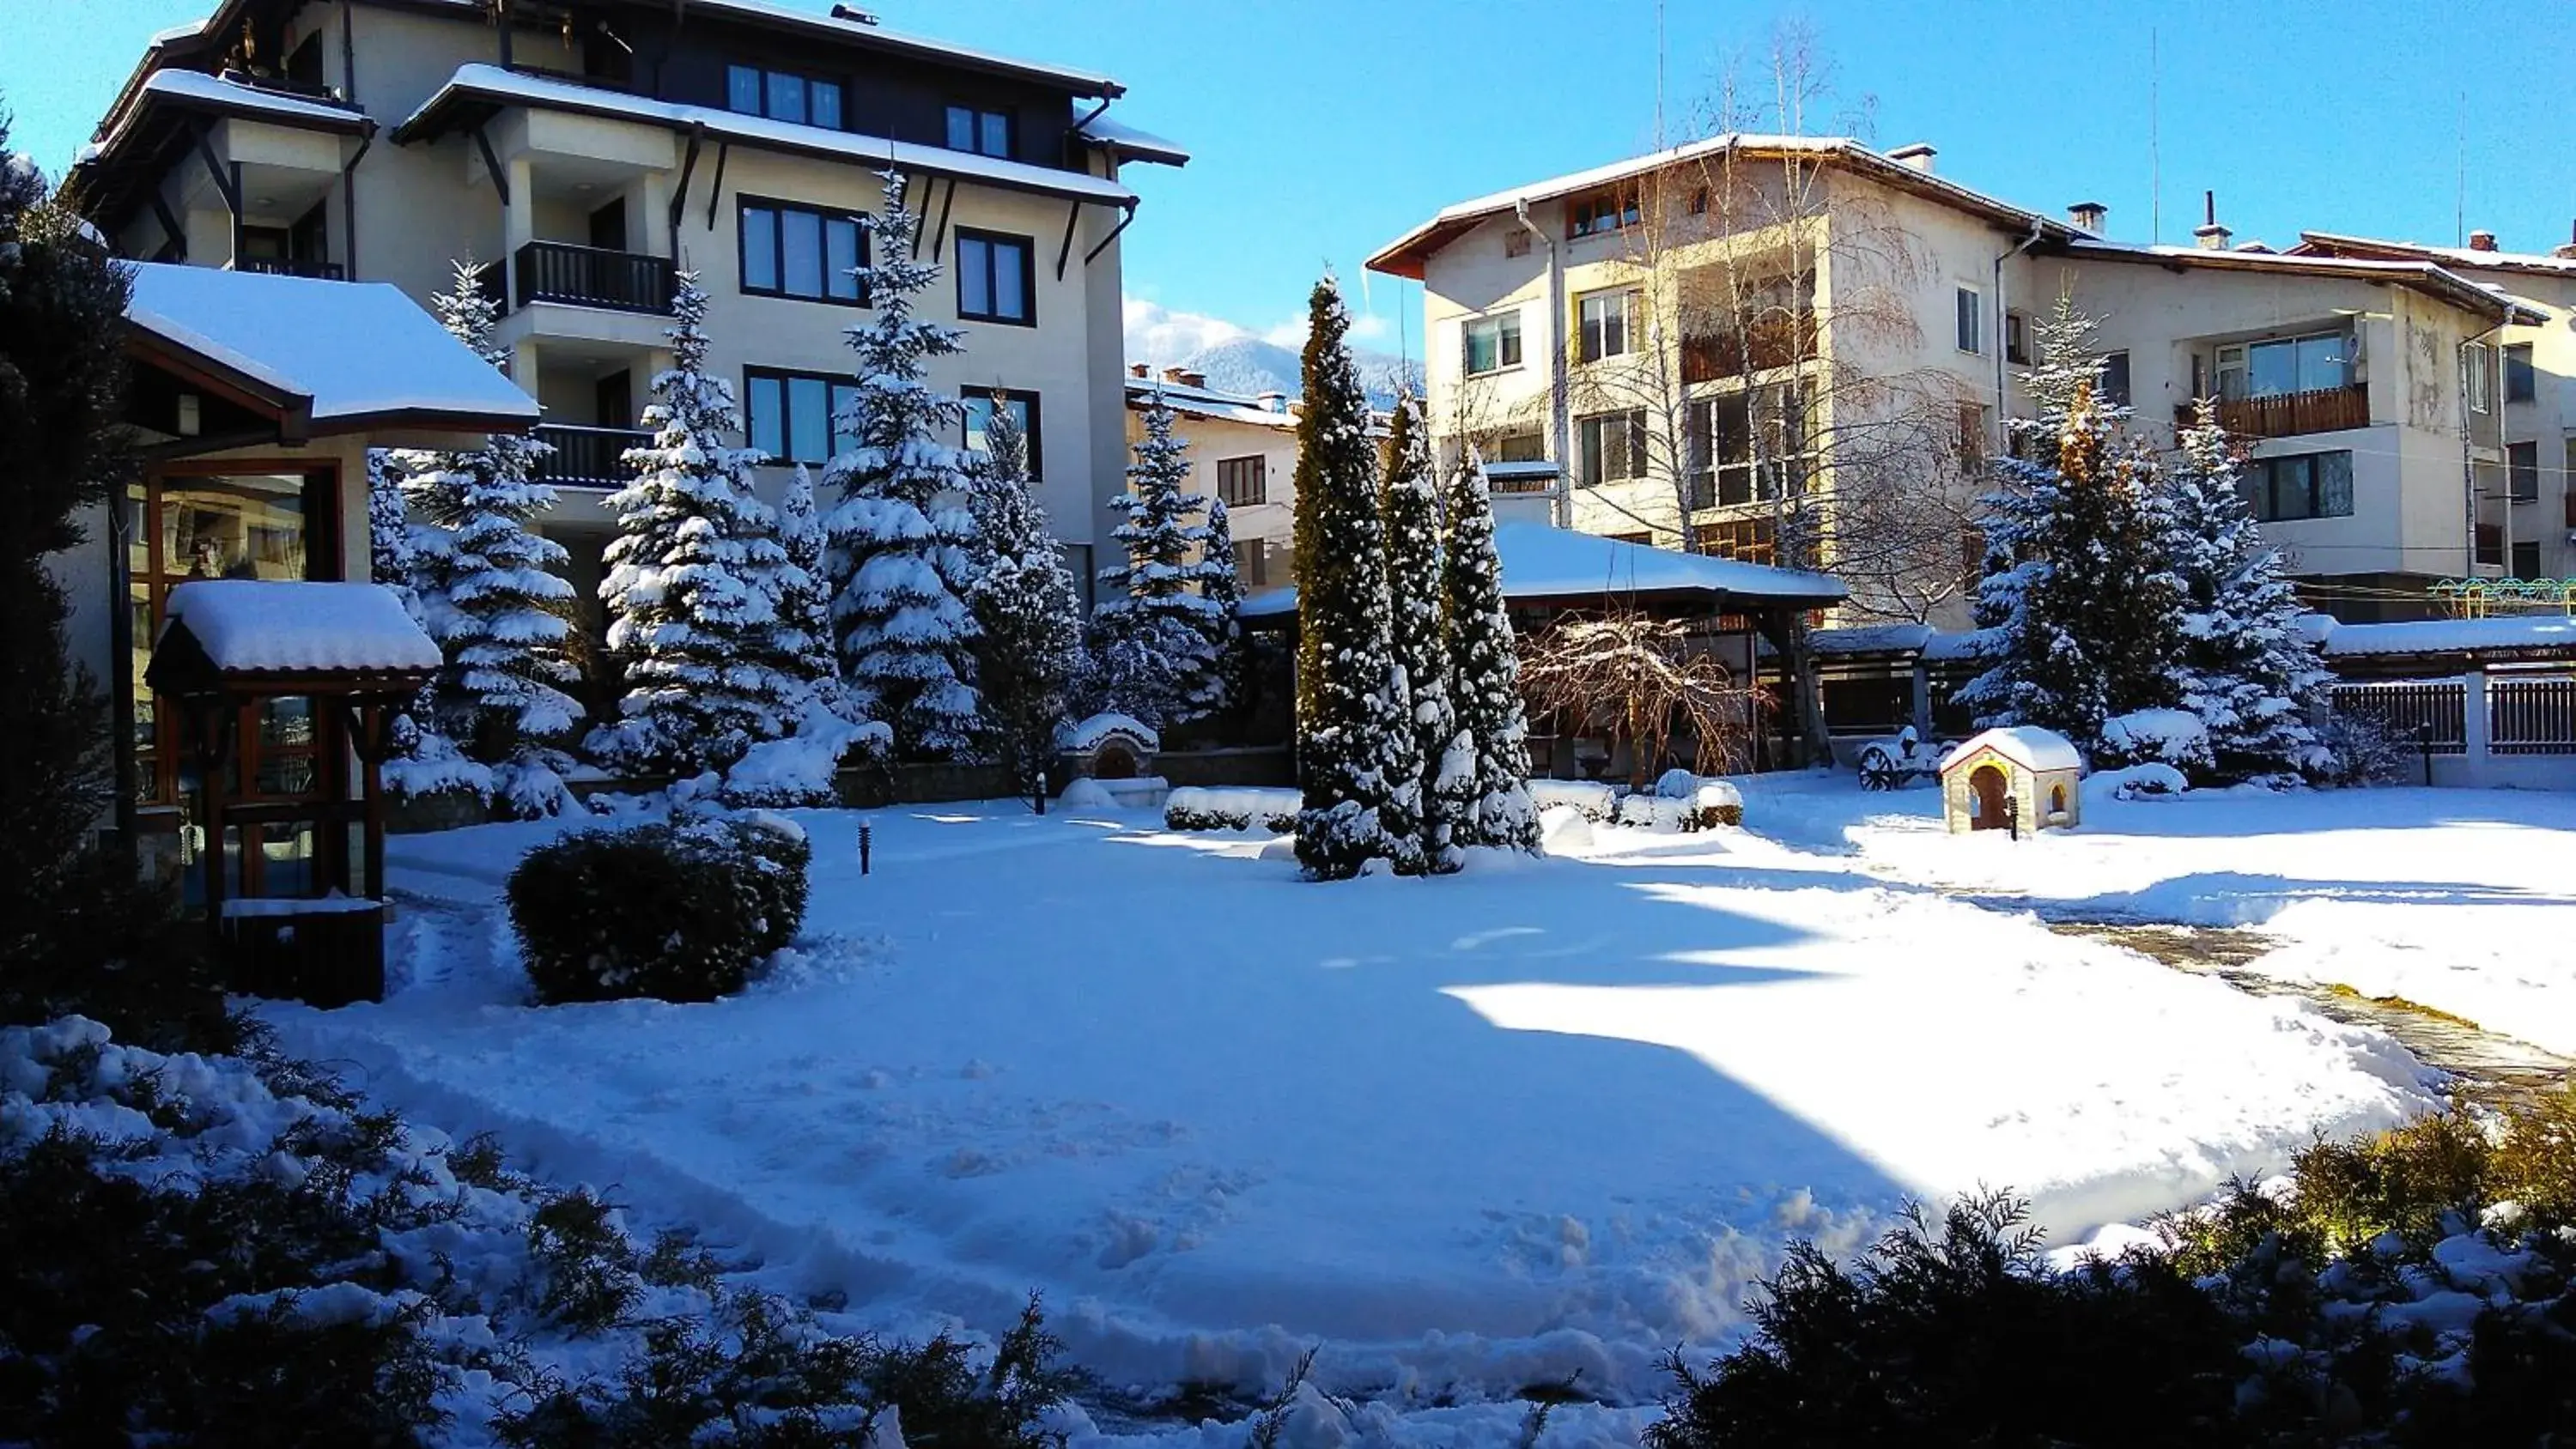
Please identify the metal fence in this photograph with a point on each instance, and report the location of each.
(2432, 716)
(2531, 716)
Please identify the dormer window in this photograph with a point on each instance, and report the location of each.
(783, 96)
(986, 133)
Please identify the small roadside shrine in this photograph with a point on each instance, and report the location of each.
(354, 655)
(2022, 778)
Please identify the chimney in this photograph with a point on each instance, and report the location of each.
(2087, 216)
(2482, 241)
(1917, 157)
(1140, 370)
(1273, 402)
(1175, 376)
(1194, 379)
(2210, 235)
(2567, 252)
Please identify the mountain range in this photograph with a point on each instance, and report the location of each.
(1238, 360)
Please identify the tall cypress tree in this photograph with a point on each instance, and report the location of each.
(1484, 774)
(1413, 588)
(1029, 650)
(1350, 691)
(2077, 589)
(2248, 671)
(901, 558)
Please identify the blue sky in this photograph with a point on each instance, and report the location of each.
(1324, 128)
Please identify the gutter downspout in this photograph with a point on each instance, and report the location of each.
(697, 134)
(120, 633)
(2003, 428)
(1559, 403)
(349, 205)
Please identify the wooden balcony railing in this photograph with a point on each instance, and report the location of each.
(292, 267)
(592, 277)
(588, 457)
(2288, 414)
(1773, 340)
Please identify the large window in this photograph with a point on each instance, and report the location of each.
(986, 133)
(1602, 323)
(795, 417)
(2313, 363)
(2115, 379)
(1971, 333)
(2522, 471)
(1024, 411)
(1719, 437)
(1612, 446)
(1493, 343)
(1241, 482)
(996, 278)
(1604, 211)
(799, 251)
(2479, 387)
(1754, 540)
(783, 95)
(2304, 485)
(2521, 380)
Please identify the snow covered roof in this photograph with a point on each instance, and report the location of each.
(2335, 244)
(1406, 255)
(1207, 402)
(2028, 746)
(266, 626)
(1133, 143)
(1540, 562)
(346, 355)
(1531, 468)
(1870, 639)
(239, 97)
(2421, 276)
(2453, 636)
(492, 86)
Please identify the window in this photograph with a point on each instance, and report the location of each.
(1252, 561)
(1493, 343)
(1613, 446)
(2284, 365)
(2115, 379)
(1239, 481)
(2526, 558)
(783, 96)
(986, 133)
(2522, 471)
(797, 251)
(996, 280)
(1718, 445)
(1024, 411)
(1516, 242)
(2521, 384)
(1512, 445)
(2480, 387)
(1754, 540)
(2306, 485)
(1602, 324)
(1972, 320)
(1602, 212)
(2017, 338)
(796, 417)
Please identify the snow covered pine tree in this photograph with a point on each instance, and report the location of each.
(803, 603)
(2076, 586)
(1352, 709)
(1484, 774)
(1221, 584)
(900, 561)
(486, 591)
(691, 585)
(1029, 649)
(419, 761)
(1412, 515)
(2248, 671)
(1155, 635)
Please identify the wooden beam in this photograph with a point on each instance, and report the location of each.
(716, 188)
(491, 162)
(1064, 254)
(170, 225)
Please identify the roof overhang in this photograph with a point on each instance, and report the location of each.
(2422, 277)
(159, 116)
(2336, 244)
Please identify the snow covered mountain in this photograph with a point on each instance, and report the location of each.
(1239, 360)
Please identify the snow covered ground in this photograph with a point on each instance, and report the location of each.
(1470, 1134)
(2454, 898)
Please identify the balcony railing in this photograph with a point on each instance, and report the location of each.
(588, 457)
(1776, 339)
(592, 277)
(2287, 414)
(292, 267)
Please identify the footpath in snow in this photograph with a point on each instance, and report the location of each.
(1471, 1134)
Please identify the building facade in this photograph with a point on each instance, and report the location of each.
(590, 150)
(1751, 338)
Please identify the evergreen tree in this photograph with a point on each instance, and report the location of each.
(419, 760)
(1156, 634)
(2076, 588)
(1221, 584)
(2248, 671)
(1483, 776)
(900, 559)
(802, 602)
(1413, 584)
(1028, 651)
(1352, 709)
(692, 578)
(486, 591)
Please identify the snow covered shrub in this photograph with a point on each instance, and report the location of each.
(2359, 748)
(1195, 807)
(1597, 801)
(681, 912)
(2173, 737)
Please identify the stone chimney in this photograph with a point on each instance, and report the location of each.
(1273, 402)
(1140, 370)
(1917, 157)
(2088, 216)
(2567, 252)
(2482, 241)
(2210, 235)
(1175, 376)
(1193, 379)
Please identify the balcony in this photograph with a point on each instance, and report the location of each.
(292, 267)
(579, 276)
(2288, 414)
(588, 457)
(1776, 339)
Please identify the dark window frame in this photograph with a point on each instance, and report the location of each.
(2521, 378)
(1593, 453)
(2264, 479)
(840, 87)
(2519, 550)
(1028, 246)
(2116, 385)
(2522, 471)
(744, 205)
(1009, 118)
(1604, 211)
(1510, 348)
(1033, 435)
(785, 377)
(1968, 326)
(1230, 488)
